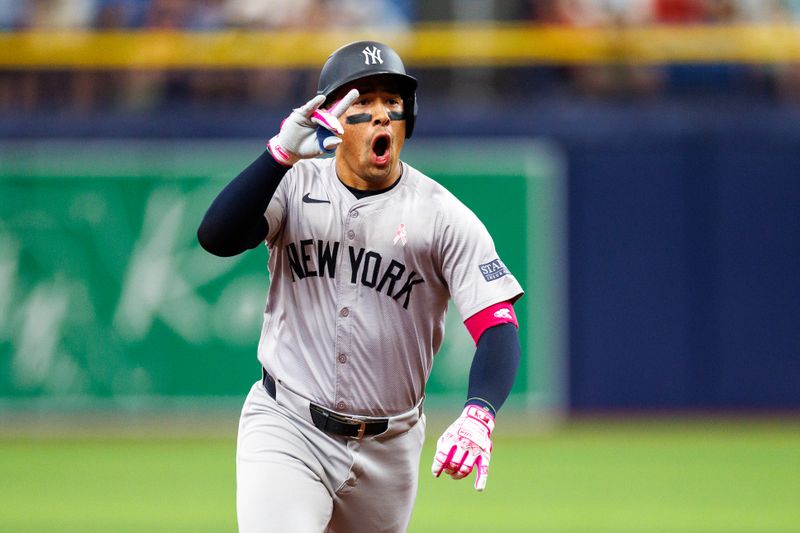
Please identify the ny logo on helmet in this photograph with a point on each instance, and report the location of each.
(372, 57)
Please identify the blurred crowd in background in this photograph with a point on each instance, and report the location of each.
(129, 90)
(202, 15)
(274, 14)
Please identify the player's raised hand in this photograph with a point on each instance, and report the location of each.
(466, 445)
(310, 131)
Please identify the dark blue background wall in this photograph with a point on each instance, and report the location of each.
(685, 269)
(684, 236)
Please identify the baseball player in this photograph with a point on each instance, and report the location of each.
(364, 254)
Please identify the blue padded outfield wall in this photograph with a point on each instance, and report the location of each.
(685, 266)
(682, 240)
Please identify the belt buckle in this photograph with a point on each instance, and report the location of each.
(362, 426)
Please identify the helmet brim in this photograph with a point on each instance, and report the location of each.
(406, 83)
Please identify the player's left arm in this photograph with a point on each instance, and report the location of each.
(497, 356)
(466, 445)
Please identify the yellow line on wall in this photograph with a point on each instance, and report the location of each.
(426, 46)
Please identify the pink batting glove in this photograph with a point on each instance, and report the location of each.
(465, 445)
(300, 137)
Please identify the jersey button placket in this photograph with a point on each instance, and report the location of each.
(351, 234)
(346, 295)
(341, 358)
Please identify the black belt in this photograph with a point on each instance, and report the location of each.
(331, 422)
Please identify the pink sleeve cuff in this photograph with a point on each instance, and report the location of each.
(493, 315)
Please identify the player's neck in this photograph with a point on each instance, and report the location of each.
(362, 193)
(368, 183)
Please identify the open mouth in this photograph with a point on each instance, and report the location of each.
(380, 148)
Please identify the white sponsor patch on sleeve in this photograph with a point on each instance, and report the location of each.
(493, 270)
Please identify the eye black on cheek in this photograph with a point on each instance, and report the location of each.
(358, 118)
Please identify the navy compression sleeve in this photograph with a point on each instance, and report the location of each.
(494, 367)
(235, 221)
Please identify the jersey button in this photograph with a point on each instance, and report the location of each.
(341, 405)
(344, 312)
(342, 358)
(354, 214)
(351, 234)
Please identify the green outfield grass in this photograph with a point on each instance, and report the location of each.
(616, 476)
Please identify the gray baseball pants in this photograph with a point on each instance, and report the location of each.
(292, 477)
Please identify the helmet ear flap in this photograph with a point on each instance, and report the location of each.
(410, 107)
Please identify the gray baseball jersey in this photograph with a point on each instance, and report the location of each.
(359, 288)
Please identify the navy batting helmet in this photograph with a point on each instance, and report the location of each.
(369, 58)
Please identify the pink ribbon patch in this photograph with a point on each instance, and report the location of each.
(400, 235)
